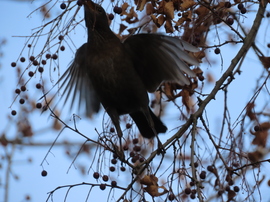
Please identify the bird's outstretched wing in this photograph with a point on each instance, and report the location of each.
(75, 85)
(159, 58)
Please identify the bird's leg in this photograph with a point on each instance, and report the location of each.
(115, 119)
(161, 149)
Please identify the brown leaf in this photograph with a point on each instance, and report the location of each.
(250, 110)
(261, 135)
(149, 180)
(265, 61)
(231, 195)
(185, 98)
(187, 4)
(167, 9)
(153, 190)
(149, 9)
(158, 21)
(255, 156)
(168, 26)
(140, 4)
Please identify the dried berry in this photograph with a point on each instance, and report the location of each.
(43, 62)
(123, 169)
(62, 48)
(128, 125)
(243, 10)
(23, 88)
(13, 112)
(40, 69)
(17, 91)
(137, 148)
(111, 16)
(102, 186)
(32, 58)
(171, 197)
(114, 183)
(29, 45)
(112, 168)
(54, 56)
(187, 191)
(117, 10)
(96, 175)
(60, 37)
(113, 161)
(192, 196)
(13, 64)
(240, 6)
(210, 168)
(203, 175)
(44, 173)
(135, 140)
(230, 21)
(30, 73)
(22, 59)
(63, 6)
(48, 56)
(228, 4)
(38, 85)
(79, 2)
(38, 105)
(217, 51)
(22, 101)
(112, 130)
(105, 178)
(236, 189)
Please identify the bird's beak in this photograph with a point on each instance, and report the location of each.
(89, 4)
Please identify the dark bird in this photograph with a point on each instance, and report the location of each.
(118, 74)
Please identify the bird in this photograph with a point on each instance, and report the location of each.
(119, 74)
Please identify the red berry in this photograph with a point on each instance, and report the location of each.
(135, 140)
(111, 16)
(44, 173)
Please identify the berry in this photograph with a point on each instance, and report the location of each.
(40, 69)
(22, 59)
(230, 21)
(117, 10)
(44, 173)
(191, 183)
(123, 169)
(35, 63)
(38, 85)
(112, 168)
(62, 48)
(203, 175)
(29, 45)
(171, 197)
(61, 37)
(63, 6)
(113, 161)
(112, 130)
(54, 56)
(13, 64)
(32, 58)
(236, 189)
(135, 140)
(105, 178)
(196, 164)
(96, 175)
(79, 2)
(13, 112)
(227, 188)
(114, 183)
(48, 56)
(187, 191)
(30, 73)
(137, 148)
(21, 101)
(17, 91)
(192, 196)
(141, 159)
(43, 62)
(231, 182)
(240, 6)
(102, 186)
(125, 147)
(228, 4)
(111, 16)
(243, 10)
(23, 88)
(135, 159)
(217, 51)
(128, 125)
(38, 105)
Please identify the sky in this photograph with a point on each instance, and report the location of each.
(30, 182)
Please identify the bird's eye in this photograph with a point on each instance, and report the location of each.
(99, 9)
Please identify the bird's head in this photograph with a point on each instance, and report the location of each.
(95, 16)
